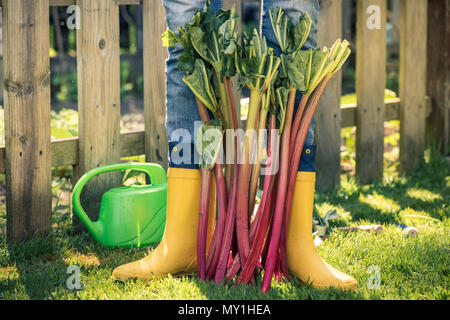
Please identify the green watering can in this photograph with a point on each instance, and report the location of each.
(132, 216)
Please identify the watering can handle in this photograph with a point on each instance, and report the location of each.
(154, 171)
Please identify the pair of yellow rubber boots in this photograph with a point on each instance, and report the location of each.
(177, 252)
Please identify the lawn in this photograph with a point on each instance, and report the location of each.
(408, 267)
(389, 265)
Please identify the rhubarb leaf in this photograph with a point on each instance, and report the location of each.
(298, 69)
(282, 95)
(186, 61)
(215, 39)
(258, 65)
(290, 38)
(169, 38)
(282, 27)
(200, 45)
(319, 61)
(208, 142)
(200, 84)
(302, 30)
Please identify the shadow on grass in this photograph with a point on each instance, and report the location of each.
(285, 290)
(39, 266)
(42, 263)
(431, 179)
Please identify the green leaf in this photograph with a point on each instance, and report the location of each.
(289, 37)
(319, 60)
(197, 37)
(208, 142)
(282, 96)
(214, 38)
(302, 30)
(186, 61)
(282, 27)
(298, 69)
(231, 49)
(258, 65)
(200, 84)
(169, 39)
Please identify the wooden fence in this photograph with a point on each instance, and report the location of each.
(30, 153)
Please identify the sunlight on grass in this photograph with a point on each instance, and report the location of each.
(411, 268)
(351, 97)
(323, 208)
(406, 264)
(379, 202)
(422, 194)
(418, 218)
(348, 184)
(86, 260)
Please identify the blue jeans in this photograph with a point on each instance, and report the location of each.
(182, 110)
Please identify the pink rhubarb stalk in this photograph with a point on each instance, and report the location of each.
(214, 252)
(203, 222)
(281, 195)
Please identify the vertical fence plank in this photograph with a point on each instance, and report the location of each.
(98, 59)
(370, 87)
(413, 60)
(328, 119)
(1, 56)
(438, 77)
(27, 117)
(155, 54)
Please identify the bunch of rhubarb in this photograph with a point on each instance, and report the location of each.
(250, 232)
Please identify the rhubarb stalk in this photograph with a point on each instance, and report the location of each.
(281, 195)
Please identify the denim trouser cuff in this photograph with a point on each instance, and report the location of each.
(182, 155)
(307, 163)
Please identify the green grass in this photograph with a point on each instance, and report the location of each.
(351, 98)
(410, 268)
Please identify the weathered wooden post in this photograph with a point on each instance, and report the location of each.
(328, 118)
(438, 78)
(413, 72)
(370, 86)
(27, 117)
(98, 58)
(154, 24)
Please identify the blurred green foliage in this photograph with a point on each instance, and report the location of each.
(64, 84)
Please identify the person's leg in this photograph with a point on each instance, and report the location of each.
(292, 9)
(302, 257)
(181, 107)
(177, 252)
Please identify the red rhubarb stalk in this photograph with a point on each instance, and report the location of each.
(214, 252)
(263, 223)
(281, 195)
(229, 234)
(297, 120)
(203, 222)
(229, 231)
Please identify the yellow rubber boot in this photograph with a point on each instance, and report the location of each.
(177, 251)
(302, 256)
